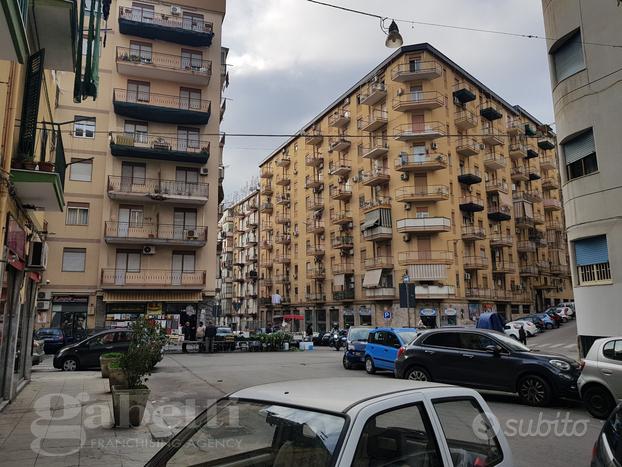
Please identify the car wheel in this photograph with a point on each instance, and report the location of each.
(534, 390)
(346, 363)
(369, 366)
(549, 326)
(417, 373)
(70, 364)
(598, 402)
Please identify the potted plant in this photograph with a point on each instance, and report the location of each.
(116, 375)
(46, 166)
(106, 359)
(30, 165)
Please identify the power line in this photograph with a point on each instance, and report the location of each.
(451, 26)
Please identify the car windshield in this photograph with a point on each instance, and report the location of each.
(512, 344)
(255, 433)
(358, 334)
(407, 336)
(224, 331)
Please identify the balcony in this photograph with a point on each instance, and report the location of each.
(490, 111)
(547, 143)
(283, 160)
(518, 151)
(340, 193)
(516, 127)
(283, 259)
(564, 269)
(184, 30)
(419, 100)
(266, 245)
(316, 250)
(266, 172)
(432, 292)
(315, 204)
(314, 182)
(471, 203)
(378, 262)
(315, 226)
(161, 108)
(465, 119)
(343, 268)
(532, 152)
(378, 234)
(376, 120)
(554, 226)
(159, 148)
(524, 222)
(548, 163)
(406, 258)
(416, 71)
(419, 131)
(378, 148)
(472, 233)
(380, 293)
(474, 262)
(424, 225)
(339, 144)
(533, 196)
(378, 203)
(503, 267)
(150, 65)
(550, 183)
(464, 92)
(283, 200)
(499, 212)
(152, 279)
(341, 295)
(313, 137)
(526, 246)
(314, 160)
(534, 174)
(467, 147)
(529, 271)
(492, 136)
(501, 240)
(414, 194)
(141, 190)
(496, 186)
(316, 273)
(494, 161)
(266, 208)
(469, 176)
(315, 297)
(479, 294)
(343, 242)
(519, 174)
(339, 119)
(341, 217)
(282, 239)
(283, 219)
(420, 162)
(127, 233)
(283, 180)
(378, 176)
(372, 94)
(544, 267)
(341, 168)
(552, 204)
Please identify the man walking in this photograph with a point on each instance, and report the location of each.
(210, 335)
(187, 333)
(201, 336)
(522, 335)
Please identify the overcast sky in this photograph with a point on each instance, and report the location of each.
(290, 58)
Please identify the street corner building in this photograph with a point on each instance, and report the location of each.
(418, 173)
(138, 235)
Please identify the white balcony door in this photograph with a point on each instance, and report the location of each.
(127, 261)
(182, 263)
(188, 139)
(183, 222)
(190, 99)
(131, 175)
(138, 91)
(186, 180)
(129, 217)
(416, 93)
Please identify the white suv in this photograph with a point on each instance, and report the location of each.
(600, 383)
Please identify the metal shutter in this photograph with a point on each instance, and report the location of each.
(568, 58)
(30, 105)
(579, 147)
(591, 250)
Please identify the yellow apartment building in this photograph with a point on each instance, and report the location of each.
(138, 236)
(418, 173)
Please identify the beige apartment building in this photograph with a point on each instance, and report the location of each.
(139, 232)
(417, 173)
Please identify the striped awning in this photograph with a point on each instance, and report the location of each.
(153, 296)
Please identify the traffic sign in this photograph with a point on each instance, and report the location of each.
(387, 315)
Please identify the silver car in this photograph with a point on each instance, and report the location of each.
(600, 383)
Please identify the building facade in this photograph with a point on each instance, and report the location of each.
(139, 233)
(418, 173)
(588, 107)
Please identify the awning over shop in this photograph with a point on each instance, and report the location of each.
(372, 219)
(450, 312)
(339, 280)
(372, 278)
(427, 312)
(152, 296)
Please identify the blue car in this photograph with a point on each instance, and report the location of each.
(383, 345)
(354, 356)
(547, 320)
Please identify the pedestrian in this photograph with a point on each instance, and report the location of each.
(522, 335)
(309, 330)
(187, 333)
(210, 335)
(201, 336)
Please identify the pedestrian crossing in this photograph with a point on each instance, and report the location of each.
(549, 345)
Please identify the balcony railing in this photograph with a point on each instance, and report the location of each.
(340, 167)
(419, 100)
(315, 297)
(499, 239)
(552, 204)
(496, 186)
(550, 183)
(425, 257)
(526, 246)
(316, 273)
(424, 224)
(339, 143)
(340, 192)
(152, 279)
(467, 147)
(343, 241)
(419, 131)
(316, 250)
(152, 62)
(343, 268)
(475, 262)
(378, 176)
(266, 172)
(314, 160)
(378, 148)
(378, 203)
(465, 119)
(131, 232)
(420, 162)
(379, 262)
(154, 187)
(380, 293)
(417, 70)
(376, 120)
(162, 108)
(339, 295)
(339, 118)
(341, 217)
(159, 147)
(425, 193)
(473, 232)
(494, 161)
(373, 93)
(313, 137)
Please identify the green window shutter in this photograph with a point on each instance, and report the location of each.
(30, 105)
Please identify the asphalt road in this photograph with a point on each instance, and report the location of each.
(559, 435)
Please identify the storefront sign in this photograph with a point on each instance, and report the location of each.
(70, 299)
(365, 311)
(125, 308)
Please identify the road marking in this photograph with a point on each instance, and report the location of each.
(570, 346)
(544, 344)
(554, 346)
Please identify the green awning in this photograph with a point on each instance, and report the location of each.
(37, 189)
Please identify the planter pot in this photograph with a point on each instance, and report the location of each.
(128, 405)
(17, 164)
(46, 166)
(103, 364)
(116, 377)
(30, 165)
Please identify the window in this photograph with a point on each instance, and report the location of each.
(84, 128)
(473, 341)
(186, 175)
(74, 260)
(191, 59)
(403, 436)
(568, 57)
(443, 339)
(580, 154)
(140, 51)
(592, 259)
(188, 139)
(470, 435)
(77, 214)
(613, 350)
(138, 130)
(193, 21)
(85, 45)
(190, 98)
(138, 91)
(391, 340)
(133, 173)
(142, 12)
(81, 171)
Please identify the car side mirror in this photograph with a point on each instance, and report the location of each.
(493, 349)
(397, 346)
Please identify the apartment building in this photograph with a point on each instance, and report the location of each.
(418, 173)
(588, 101)
(224, 287)
(139, 233)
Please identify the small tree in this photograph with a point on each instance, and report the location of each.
(143, 353)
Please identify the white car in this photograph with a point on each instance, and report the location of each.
(600, 383)
(530, 328)
(565, 313)
(371, 422)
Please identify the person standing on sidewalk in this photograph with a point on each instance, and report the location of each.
(522, 335)
(210, 335)
(187, 333)
(201, 336)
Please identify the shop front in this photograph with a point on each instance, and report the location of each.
(428, 317)
(316, 317)
(365, 315)
(449, 317)
(348, 317)
(69, 313)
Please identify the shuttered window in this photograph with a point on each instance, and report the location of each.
(592, 258)
(30, 105)
(580, 155)
(568, 57)
(74, 259)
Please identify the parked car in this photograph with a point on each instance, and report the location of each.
(382, 422)
(552, 313)
(225, 339)
(54, 339)
(535, 320)
(607, 450)
(37, 350)
(529, 327)
(513, 329)
(382, 346)
(549, 323)
(86, 354)
(600, 383)
(565, 312)
(354, 356)
(485, 359)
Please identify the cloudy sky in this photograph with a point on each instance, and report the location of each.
(290, 58)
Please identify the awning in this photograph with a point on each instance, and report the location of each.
(293, 317)
(339, 279)
(427, 312)
(372, 219)
(450, 312)
(153, 296)
(372, 278)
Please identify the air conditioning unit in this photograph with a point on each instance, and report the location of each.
(38, 257)
(434, 146)
(43, 306)
(407, 206)
(149, 250)
(204, 171)
(404, 176)
(191, 234)
(406, 237)
(175, 10)
(44, 295)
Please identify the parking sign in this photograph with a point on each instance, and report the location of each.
(387, 315)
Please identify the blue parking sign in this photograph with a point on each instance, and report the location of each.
(387, 315)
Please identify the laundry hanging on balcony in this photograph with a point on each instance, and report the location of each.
(86, 81)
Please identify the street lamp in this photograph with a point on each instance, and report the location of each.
(394, 38)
